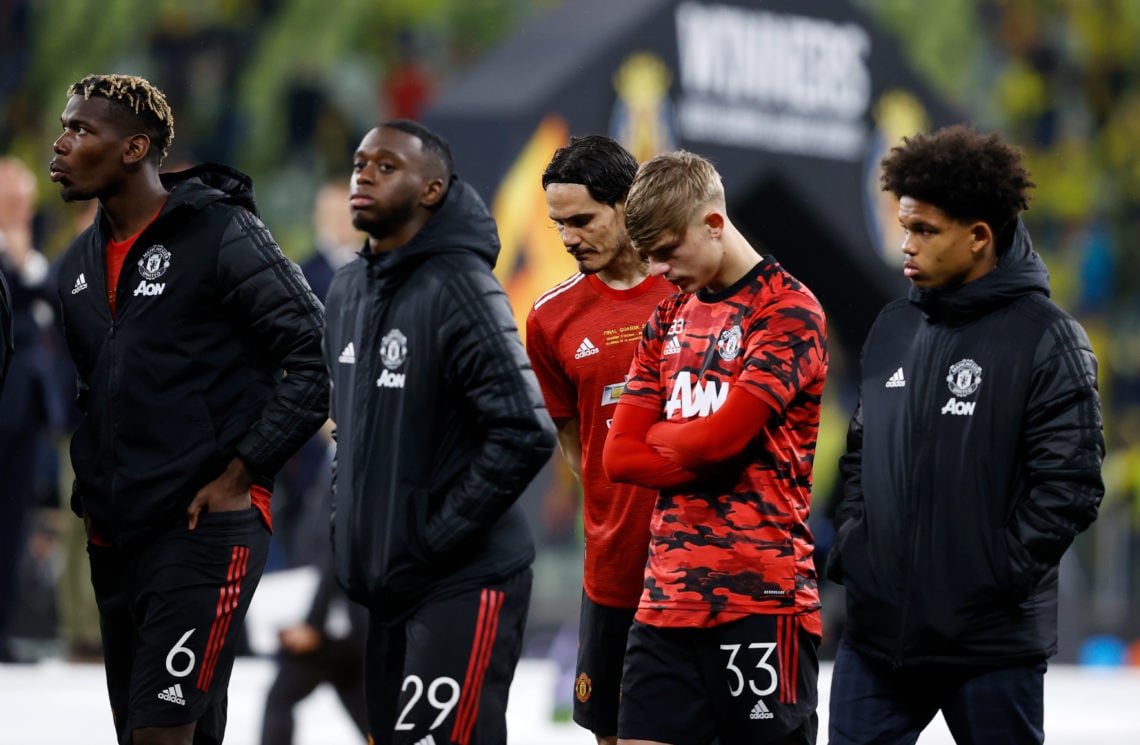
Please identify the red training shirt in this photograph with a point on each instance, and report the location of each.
(736, 542)
(580, 336)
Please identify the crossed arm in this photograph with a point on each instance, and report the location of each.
(642, 450)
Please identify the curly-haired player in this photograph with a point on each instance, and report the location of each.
(197, 347)
(973, 460)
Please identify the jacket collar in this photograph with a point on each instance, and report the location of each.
(1019, 271)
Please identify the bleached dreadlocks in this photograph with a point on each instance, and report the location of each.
(136, 96)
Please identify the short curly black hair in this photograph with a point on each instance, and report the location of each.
(140, 103)
(968, 175)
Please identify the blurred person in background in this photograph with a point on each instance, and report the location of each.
(440, 426)
(973, 461)
(721, 413)
(328, 645)
(27, 406)
(337, 239)
(301, 507)
(197, 348)
(580, 336)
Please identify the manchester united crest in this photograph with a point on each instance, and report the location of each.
(583, 688)
(154, 262)
(728, 346)
(393, 349)
(964, 377)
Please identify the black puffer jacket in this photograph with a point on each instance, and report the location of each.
(6, 344)
(190, 372)
(440, 422)
(973, 461)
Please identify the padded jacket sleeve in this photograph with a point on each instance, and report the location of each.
(850, 506)
(851, 471)
(6, 345)
(486, 361)
(269, 296)
(1064, 448)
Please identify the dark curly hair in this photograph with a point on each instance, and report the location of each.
(597, 162)
(968, 175)
(140, 106)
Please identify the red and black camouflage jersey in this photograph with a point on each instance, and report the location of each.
(740, 544)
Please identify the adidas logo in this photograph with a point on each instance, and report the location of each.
(673, 346)
(897, 380)
(348, 356)
(80, 284)
(760, 711)
(173, 694)
(429, 740)
(586, 348)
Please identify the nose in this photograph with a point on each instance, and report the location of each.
(570, 236)
(658, 268)
(362, 175)
(907, 244)
(57, 146)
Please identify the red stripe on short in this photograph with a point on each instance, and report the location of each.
(486, 627)
(228, 597)
(788, 647)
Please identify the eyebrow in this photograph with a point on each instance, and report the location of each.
(670, 245)
(382, 152)
(74, 120)
(575, 216)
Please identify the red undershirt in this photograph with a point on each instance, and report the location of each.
(116, 254)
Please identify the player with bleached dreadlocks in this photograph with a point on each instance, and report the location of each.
(197, 347)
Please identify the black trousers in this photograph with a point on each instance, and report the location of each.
(871, 703)
(338, 663)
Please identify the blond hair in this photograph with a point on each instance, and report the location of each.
(140, 96)
(667, 193)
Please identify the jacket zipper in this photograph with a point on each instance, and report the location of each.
(368, 325)
(921, 403)
(111, 434)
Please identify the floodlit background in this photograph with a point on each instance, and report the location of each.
(284, 90)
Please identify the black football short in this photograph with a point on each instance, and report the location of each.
(747, 681)
(442, 675)
(602, 635)
(171, 612)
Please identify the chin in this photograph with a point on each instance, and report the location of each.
(69, 194)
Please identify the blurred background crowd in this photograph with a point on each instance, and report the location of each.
(284, 89)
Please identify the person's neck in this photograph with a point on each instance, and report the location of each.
(132, 208)
(739, 259)
(399, 237)
(625, 272)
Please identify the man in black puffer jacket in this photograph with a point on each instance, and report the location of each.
(440, 425)
(197, 346)
(973, 461)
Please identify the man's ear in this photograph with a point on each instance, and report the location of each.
(433, 192)
(981, 235)
(138, 147)
(714, 221)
